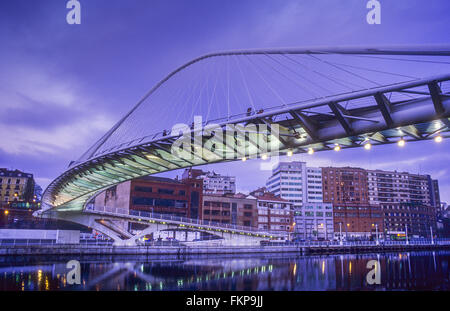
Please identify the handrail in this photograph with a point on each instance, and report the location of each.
(179, 219)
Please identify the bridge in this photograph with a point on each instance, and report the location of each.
(105, 219)
(241, 105)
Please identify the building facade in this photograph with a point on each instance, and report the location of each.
(274, 213)
(213, 183)
(317, 221)
(236, 209)
(409, 202)
(302, 186)
(354, 216)
(156, 195)
(16, 186)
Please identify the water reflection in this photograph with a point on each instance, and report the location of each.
(399, 271)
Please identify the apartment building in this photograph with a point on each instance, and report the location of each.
(353, 214)
(302, 186)
(155, 194)
(409, 202)
(213, 183)
(237, 209)
(274, 213)
(317, 221)
(16, 186)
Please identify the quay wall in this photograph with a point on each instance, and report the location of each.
(76, 249)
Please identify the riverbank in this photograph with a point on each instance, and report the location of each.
(183, 250)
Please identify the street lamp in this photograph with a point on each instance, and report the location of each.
(346, 231)
(376, 233)
(431, 231)
(325, 230)
(406, 234)
(292, 229)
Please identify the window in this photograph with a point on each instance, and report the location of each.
(143, 201)
(165, 191)
(142, 189)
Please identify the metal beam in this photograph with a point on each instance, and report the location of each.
(385, 107)
(436, 94)
(307, 124)
(339, 112)
(280, 139)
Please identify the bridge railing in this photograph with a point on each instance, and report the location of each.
(361, 243)
(180, 219)
(27, 242)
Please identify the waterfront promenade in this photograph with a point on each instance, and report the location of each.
(19, 249)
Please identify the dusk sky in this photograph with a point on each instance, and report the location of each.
(63, 86)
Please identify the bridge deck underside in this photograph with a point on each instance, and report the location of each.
(350, 121)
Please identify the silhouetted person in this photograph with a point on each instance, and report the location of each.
(249, 111)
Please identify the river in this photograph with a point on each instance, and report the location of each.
(424, 270)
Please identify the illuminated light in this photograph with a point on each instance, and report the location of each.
(264, 157)
(15, 194)
(367, 146)
(401, 143)
(438, 139)
(244, 159)
(290, 153)
(337, 148)
(6, 212)
(310, 151)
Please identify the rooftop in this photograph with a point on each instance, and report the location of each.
(14, 173)
(271, 197)
(159, 179)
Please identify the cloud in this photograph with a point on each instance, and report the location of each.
(21, 140)
(42, 113)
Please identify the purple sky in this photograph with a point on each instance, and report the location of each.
(62, 86)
